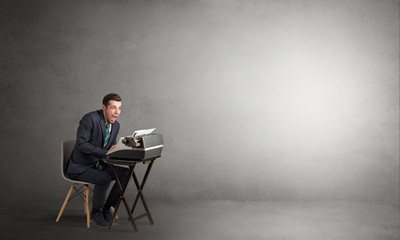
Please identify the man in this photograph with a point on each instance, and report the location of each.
(96, 135)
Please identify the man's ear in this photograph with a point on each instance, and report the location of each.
(104, 107)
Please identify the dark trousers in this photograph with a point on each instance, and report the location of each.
(102, 180)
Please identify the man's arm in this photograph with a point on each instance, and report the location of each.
(83, 137)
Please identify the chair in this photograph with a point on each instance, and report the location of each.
(66, 150)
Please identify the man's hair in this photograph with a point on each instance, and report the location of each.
(111, 96)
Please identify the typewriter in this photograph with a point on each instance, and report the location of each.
(143, 144)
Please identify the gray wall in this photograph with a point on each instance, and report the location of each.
(257, 100)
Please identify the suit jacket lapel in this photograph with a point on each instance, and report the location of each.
(102, 123)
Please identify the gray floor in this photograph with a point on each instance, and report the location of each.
(212, 220)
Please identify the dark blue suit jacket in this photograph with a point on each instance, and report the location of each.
(88, 149)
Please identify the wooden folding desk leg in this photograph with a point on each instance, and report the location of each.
(122, 197)
(140, 187)
(65, 203)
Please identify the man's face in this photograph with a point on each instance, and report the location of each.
(112, 111)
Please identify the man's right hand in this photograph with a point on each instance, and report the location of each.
(111, 148)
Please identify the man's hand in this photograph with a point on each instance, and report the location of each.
(111, 148)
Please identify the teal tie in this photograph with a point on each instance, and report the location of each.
(107, 135)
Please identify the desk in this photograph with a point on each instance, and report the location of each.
(139, 186)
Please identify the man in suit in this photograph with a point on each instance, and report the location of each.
(96, 135)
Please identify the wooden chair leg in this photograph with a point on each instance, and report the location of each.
(112, 210)
(65, 203)
(87, 199)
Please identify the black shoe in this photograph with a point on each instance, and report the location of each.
(98, 219)
(107, 214)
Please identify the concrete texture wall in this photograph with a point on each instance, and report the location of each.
(257, 100)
